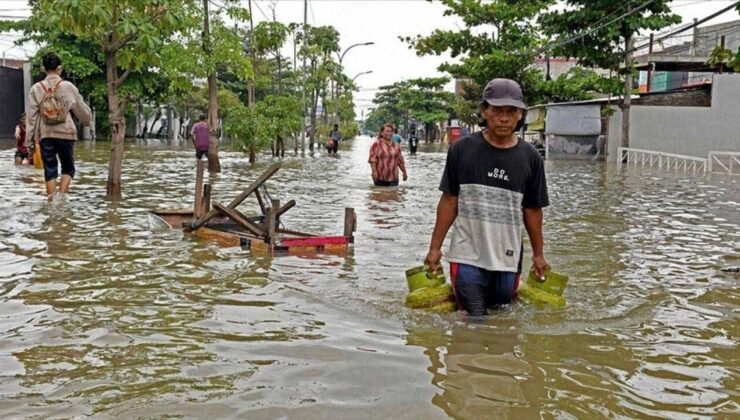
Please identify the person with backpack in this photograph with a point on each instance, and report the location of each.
(49, 123)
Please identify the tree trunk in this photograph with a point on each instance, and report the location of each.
(214, 165)
(314, 106)
(117, 129)
(157, 116)
(627, 99)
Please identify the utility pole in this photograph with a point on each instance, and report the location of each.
(214, 165)
(250, 82)
(303, 106)
(650, 65)
(627, 99)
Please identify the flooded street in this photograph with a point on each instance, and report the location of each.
(105, 312)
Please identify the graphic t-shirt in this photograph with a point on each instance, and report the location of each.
(492, 185)
(388, 159)
(413, 141)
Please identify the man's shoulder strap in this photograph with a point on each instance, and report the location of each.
(51, 90)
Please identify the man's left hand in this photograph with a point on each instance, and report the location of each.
(539, 265)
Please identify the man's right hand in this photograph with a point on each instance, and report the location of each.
(374, 175)
(433, 258)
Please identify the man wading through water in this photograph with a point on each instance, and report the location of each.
(493, 182)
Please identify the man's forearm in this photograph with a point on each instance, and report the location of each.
(446, 214)
(533, 224)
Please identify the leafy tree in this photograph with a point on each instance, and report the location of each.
(130, 34)
(601, 33)
(283, 117)
(423, 100)
(499, 40)
(319, 43)
(253, 128)
(269, 38)
(578, 84)
(427, 102)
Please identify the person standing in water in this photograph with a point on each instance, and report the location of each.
(386, 159)
(199, 134)
(52, 102)
(22, 154)
(413, 142)
(332, 143)
(493, 183)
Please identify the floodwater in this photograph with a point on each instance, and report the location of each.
(104, 312)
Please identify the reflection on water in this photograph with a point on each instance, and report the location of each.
(104, 312)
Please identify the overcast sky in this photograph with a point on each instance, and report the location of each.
(378, 21)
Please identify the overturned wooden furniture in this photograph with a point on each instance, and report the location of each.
(230, 227)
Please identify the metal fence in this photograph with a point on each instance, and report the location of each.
(724, 162)
(662, 160)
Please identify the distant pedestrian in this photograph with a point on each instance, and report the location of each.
(386, 159)
(397, 137)
(21, 152)
(52, 102)
(413, 142)
(332, 143)
(200, 136)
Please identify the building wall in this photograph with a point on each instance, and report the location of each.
(708, 37)
(11, 100)
(690, 97)
(692, 131)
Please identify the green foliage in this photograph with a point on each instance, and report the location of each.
(228, 102)
(348, 130)
(602, 43)
(420, 99)
(282, 114)
(259, 125)
(481, 53)
(426, 101)
(576, 85)
(247, 128)
(135, 30)
(269, 37)
(724, 58)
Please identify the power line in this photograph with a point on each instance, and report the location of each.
(581, 35)
(310, 7)
(678, 31)
(261, 11)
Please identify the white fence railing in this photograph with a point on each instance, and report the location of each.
(661, 159)
(724, 162)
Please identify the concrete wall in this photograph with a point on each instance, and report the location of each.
(691, 131)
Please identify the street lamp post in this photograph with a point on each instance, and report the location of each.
(341, 57)
(360, 74)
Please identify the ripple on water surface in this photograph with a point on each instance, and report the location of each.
(104, 312)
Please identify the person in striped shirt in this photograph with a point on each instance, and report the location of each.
(386, 159)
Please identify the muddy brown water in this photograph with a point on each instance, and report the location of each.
(104, 312)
